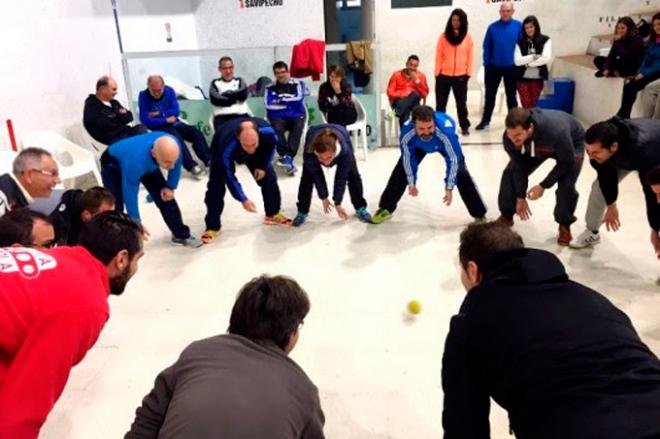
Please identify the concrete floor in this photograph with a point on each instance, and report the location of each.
(378, 371)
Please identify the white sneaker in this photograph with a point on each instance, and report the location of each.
(585, 239)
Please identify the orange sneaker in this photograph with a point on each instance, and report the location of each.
(279, 218)
(565, 236)
(210, 235)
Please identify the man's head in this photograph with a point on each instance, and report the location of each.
(248, 136)
(116, 240)
(478, 244)
(324, 146)
(106, 88)
(156, 86)
(519, 126)
(270, 310)
(94, 201)
(37, 171)
(166, 152)
(506, 11)
(281, 72)
(226, 68)
(602, 141)
(423, 119)
(26, 228)
(412, 63)
(653, 179)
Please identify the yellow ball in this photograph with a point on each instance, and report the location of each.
(414, 307)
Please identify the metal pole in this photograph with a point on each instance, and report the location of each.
(114, 13)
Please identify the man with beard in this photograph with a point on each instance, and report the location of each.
(53, 306)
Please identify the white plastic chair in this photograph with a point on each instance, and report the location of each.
(7, 161)
(73, 160)
(481, 79)
(358, 129)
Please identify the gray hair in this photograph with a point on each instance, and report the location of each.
(152, 77)
(28, 158)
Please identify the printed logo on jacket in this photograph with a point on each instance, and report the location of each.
(25, 261)
(260, 3)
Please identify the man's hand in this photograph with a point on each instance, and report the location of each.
(154, 113)
(522, 209)
(145, 233)
(611, 218)
(327, 207)
(341, 212)
(336, 85)
(447, 198)
(536, 192)
(249, 206)
(638, 76)
(655, 242)
(413, 76)
(122, 110)
(166, 194)
(259, 174)
(170, 119)
(412, 191)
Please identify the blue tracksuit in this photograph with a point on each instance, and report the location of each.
(285, 101)
(167, 105)
(500, 43)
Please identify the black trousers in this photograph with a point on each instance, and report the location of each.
(342, 115)
(221, 119)
(404, 106)
(398, 182)
(566, 195)
(288, 145)
(493, 77)
(355, 190)
(630, 90)
(154, 183)
(459, 85)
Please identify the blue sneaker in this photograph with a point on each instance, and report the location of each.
(286, 162)
(299, 219)
(149, 198)
(363, 215)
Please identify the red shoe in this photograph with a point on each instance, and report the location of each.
(565, 236)
(504, 220)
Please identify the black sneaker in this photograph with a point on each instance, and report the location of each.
(482, 125)
(465, 132)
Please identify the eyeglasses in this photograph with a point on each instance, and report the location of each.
(51, 174)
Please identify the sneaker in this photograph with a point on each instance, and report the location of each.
(480, 220)
(482, 125)
(381, 216)
(299, 219)
(390, 115)
(363, 215)
(197, 172)
(504, 220)
(282, 161)
(190, 241)
(149, 198)
(565, 236)
(291, 170)
(279, 218)
(209, 236)
(465, 132)
(585, 239)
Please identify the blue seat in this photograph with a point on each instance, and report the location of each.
(562, 96)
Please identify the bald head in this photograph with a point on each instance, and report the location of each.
(106, 88)
(248, 137)
(156, 86)
(506, 11)
(166, 152)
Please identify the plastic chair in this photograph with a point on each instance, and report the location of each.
(481, 79)
(73, 160)
(98, 147)
(7, 161)
(358, 129)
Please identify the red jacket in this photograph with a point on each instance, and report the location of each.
(401, 86)
(307, 59)
(53, 305)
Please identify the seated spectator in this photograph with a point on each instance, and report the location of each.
(34, 175)
(75, 209)
(285, 106)
(26, 228)
(648, 72)
(406, 89)
(335, 98)
(104, 118)
(626, 53)
(228, 94)
(560, 358)
(159, 111)
(53, 306)
(532, 55)
(241, 384)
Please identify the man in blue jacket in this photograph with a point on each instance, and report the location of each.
(328, 145)
(248, 141)
(159, 111)
(285, 107)
(429, 132)
(139, 159)
(498, 49)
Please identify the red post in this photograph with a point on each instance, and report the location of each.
(12, 138)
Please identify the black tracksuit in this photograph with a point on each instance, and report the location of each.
(556, 135)
(558, 356)
(66, 218)
(11, 196)
(106, 124)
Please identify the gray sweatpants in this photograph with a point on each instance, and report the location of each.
(597, 204)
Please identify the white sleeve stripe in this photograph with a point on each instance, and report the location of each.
(406, 156)
(451, 179)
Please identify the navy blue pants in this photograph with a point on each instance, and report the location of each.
(355, 189)
(187, 133)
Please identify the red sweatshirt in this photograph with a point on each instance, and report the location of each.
(53, 305)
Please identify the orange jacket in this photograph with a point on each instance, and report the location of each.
(453, 60)
(400, 86)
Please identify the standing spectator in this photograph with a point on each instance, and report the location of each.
(532, 56)
(454, 60)
(499, 46)
(335, 98)
(228, 94)
(626, 53)
(406, 89)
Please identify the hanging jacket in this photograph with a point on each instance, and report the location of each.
(307, 59)
(359, 56)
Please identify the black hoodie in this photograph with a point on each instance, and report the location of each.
(559, 357)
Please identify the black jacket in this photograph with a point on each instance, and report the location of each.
(106, 124)
(559, 357)
(639, 150)
(11, 196)
(66, 218)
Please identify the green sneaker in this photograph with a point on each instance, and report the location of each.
(482, 220)
(381, 216)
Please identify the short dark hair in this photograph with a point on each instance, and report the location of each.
(479, 242)
(606, 133)
(280, 65)
(423, 113)
(326, 140)
(653, 176)
(108, 233)
(92, 198)
(225, 58)
(518, 117)
(241, 126)
(269, 309)
(102, 82)
(412, 57)
(16, 226)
